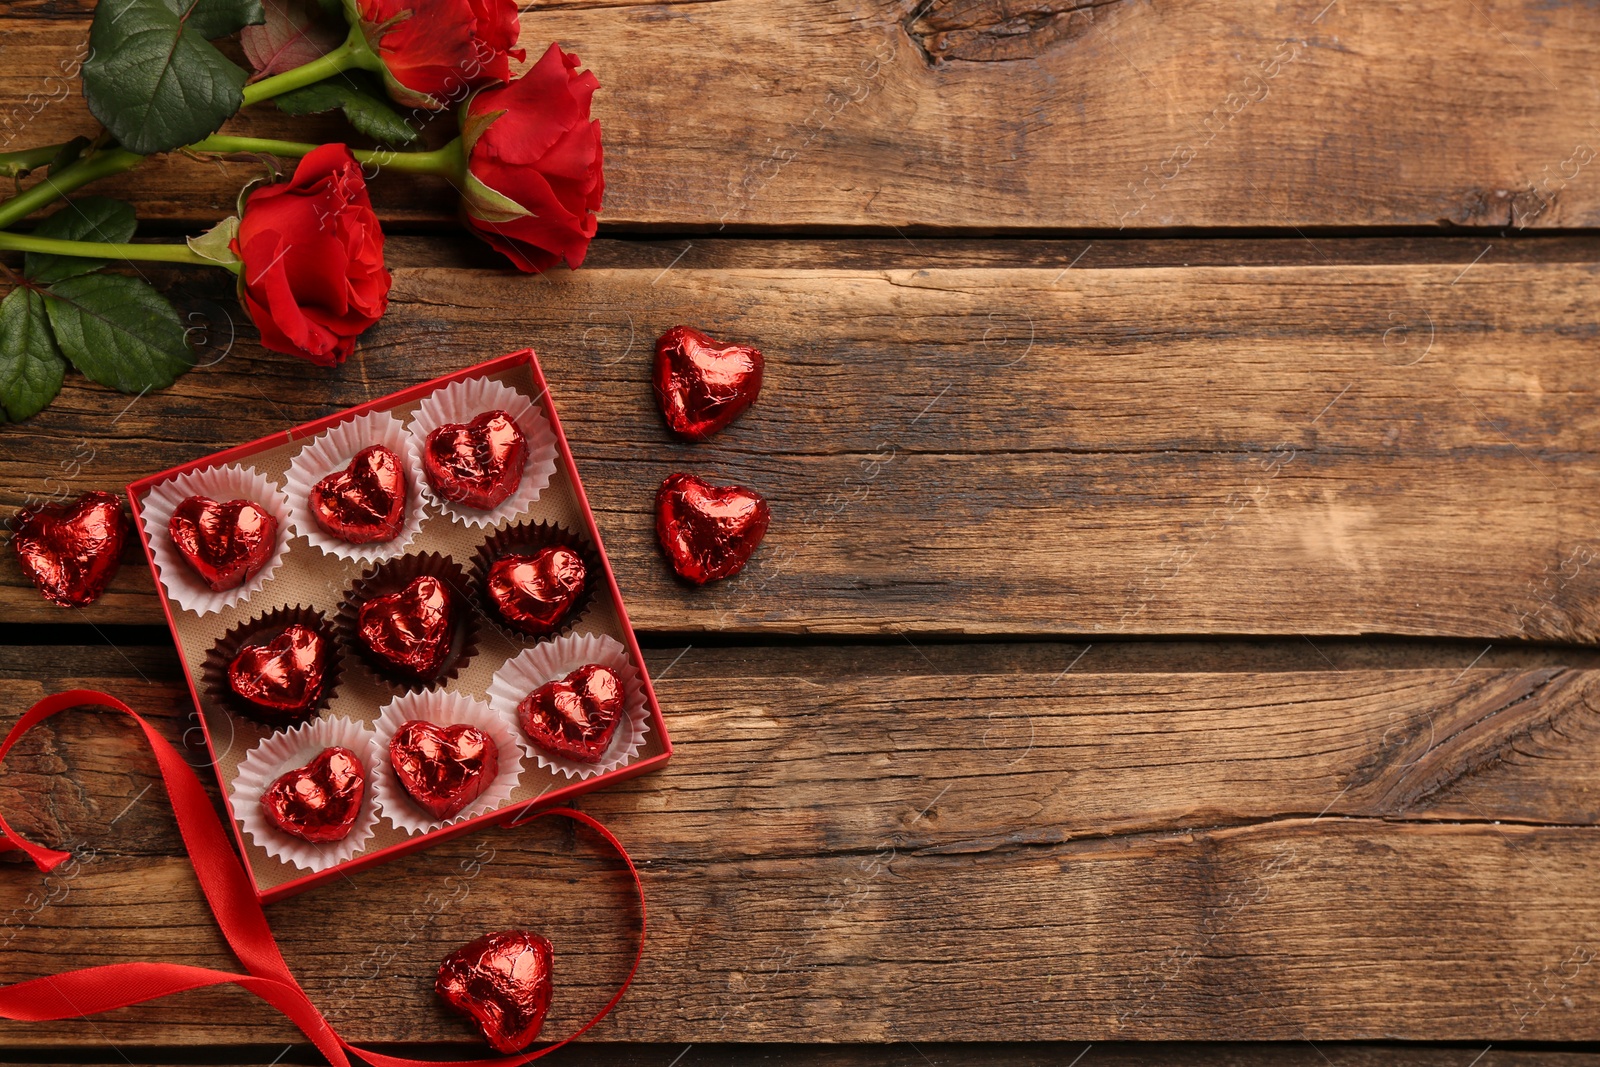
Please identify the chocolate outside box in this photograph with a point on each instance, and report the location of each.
(308, 583)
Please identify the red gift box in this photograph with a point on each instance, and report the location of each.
(306, 573)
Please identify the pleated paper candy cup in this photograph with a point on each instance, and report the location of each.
(391, 577)
(288, 750)
(262, 630)
(331, 452)
(442, 709)
(222, 484)
(527, 539)
(458, 404)
(553, 660)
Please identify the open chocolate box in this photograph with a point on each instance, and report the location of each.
(319, 582)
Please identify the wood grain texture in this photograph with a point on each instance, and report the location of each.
(921, 845)
(989, 115)
(1115, 854)
(981, 1054)
(799, 750)
(1405, 448)
(901, 253)
(1100, 1054)
(1344, 929)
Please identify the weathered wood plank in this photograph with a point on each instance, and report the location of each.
(1338, 929)
(869, 844)
(1406, 449)
(1012, 1054)
(821, 750)
(698, 252)
(992, 115)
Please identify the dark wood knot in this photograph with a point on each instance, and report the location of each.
(994, 30)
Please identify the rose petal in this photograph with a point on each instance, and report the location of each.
(534, 144)
(313, 277)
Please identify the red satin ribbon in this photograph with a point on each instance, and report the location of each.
(228, 890)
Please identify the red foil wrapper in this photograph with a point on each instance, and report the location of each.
(702, 385)
(278, 682)
(502, 982)
(478, 464)
(365, 502)
(70, 552)
(527, 614)
(284, 676)
(533, 593)
(443, 768)
(411, 636)
(409, 632)
(708, 532)
(576, 716)
(224, 543)
(320, 801)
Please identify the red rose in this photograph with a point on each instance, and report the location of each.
(312, 274)
(534, 177)
(433, 51)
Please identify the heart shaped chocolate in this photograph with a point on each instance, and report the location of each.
(708, 531)
(283, 677)
(701, 384)
(366, 501)
(479, 464)
(576, 715)
(320, 801)
(225, 544)
(533, 593)
(444, 768)
(501, 982)
(71, 551)
(410, 631)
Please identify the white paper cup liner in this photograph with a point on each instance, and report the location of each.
(552, 660)
(221, 484)
(460, 403)
(443, 709)
(283, 752)
(330, 452)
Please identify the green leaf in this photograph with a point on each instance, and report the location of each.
(220, 18)
(152, 77)
(31, 367)
(89, 218)
(294, 33)
(118, 331)
(216, 244)
(361, 99)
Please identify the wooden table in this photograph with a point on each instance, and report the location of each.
(1178, 619)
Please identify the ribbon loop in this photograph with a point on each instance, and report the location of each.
(233, 902)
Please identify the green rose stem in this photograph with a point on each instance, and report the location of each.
(55, 186)
(449, 160)
(353, 54)
(15, 163)
(16, 242)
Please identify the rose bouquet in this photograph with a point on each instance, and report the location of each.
(306, 246)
